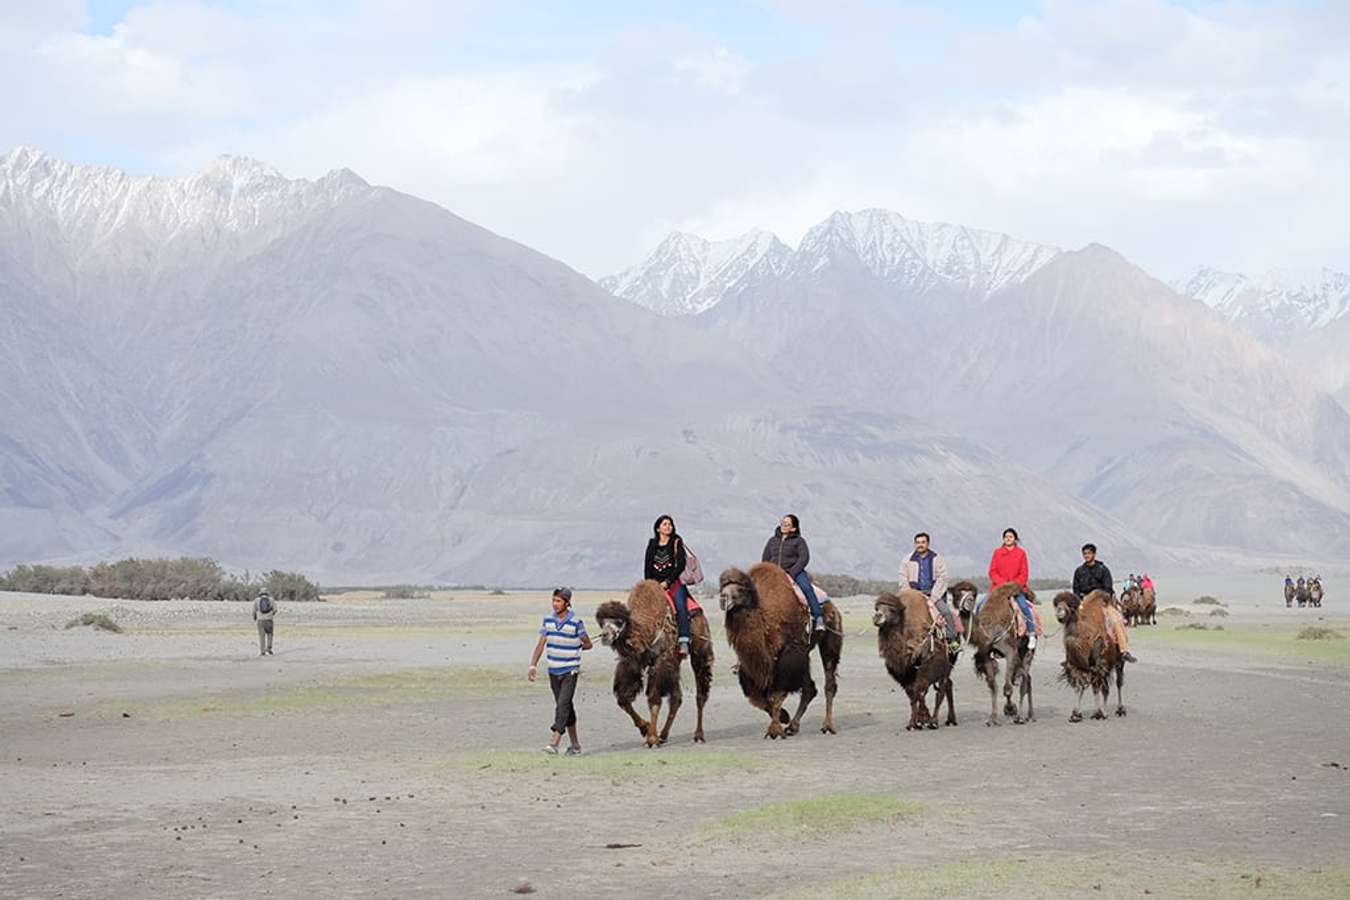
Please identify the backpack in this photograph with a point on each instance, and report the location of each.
(693, 572)
(264, 604)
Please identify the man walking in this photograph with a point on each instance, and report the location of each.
(926, 572)
(264, 611)
(564, 636)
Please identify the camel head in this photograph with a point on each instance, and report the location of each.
(1066, 606)
(613, 618)
(888, 613)
(963, 595)
(736, 591)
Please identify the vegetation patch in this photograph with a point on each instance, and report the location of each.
(95, 620)
(1174, 611)
(186, 578)
(1218, 611)
(638, 764)
(1318, 633)
(830, 814)
(1080, 876)
(1199, 626)
(1207, 600)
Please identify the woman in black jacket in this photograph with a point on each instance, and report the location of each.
(664, 564)
(787, 549)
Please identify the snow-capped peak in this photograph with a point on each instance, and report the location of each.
(922, 255)
(1279, 305)
(687, 274)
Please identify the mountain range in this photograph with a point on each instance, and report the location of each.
(340, 378)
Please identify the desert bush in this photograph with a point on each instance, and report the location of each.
(1318, 633)
(1218, 611)
(405, 592)
(46, 580)
(291, 586)
(848, 586)
(96, 620)
(1207, 600)
(1174, 611)
(190, 578)
(1199, 626)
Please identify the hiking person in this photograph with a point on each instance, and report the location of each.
(264, 611)
(1009, 565)
(1093, 575)
(925, 571)
(787, 549)
(665, 562)
(564, 636)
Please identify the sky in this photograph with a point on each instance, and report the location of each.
(1179, 133)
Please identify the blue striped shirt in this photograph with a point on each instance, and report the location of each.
(562, 642)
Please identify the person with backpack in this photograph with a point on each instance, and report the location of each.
(787, 549)
(665, 563)
(264, 611)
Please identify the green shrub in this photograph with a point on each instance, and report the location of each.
(1207, 600)
(1318, 633)
(97, 620)
(187, 578)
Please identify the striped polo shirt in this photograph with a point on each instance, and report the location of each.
(562, 642)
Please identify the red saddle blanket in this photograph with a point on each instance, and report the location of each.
(693, 604)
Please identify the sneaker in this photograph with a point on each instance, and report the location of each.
(684, 647)
(1031, 642)
(818, 624)
(1129, 657)
(550, 750)
(953, 648)
(572, 751)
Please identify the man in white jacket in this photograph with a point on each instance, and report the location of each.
(926, 571)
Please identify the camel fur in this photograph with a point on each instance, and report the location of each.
(992, 631)
(1090, 655)
(915, 652)
(767, 627)
(1303, 595)
(1315, 594)
(1288, 595)
(1129, 606)
(642, 634)
(1148, 607)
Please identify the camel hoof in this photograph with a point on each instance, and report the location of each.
(827, 729)
(1010, 710)
(698, 738)
(1075, 717)
(1120, 712)
(1019, 721)
(932, 726)
(1099, 715)
(792, 729)
(951, 723)
(991, 721)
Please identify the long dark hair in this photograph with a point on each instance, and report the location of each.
(656, 529)
(1013, 532)
(796, 525)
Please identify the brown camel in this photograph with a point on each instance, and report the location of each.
(915, 651)
(642, 634)
(992, 631)
(1315, 593)
(1090, 655)
(1302, 595)
(767, 626)
(1148, 607)
(1129, 605)
(1288, 595)
(962, 596)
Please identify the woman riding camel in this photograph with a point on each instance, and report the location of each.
(787, 549)
(664, 564)
(1009, 566)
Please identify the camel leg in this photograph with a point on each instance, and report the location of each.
(990, 678)
(627, 683)
(1077, 714)
(702, 665)
(913, 712)
(639, 722)
(951, 702)
(1009, 681)
(673, 704)
(1101, 703)
(775, 709)
(937, 705)
(831, 688)
(1120, 689)
(808, 694)
(652, 738)
(1030, 714)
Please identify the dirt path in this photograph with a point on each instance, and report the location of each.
(390, 749)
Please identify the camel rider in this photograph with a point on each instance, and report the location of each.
(1009, 565)
(1288, 581)
(1093, 575)
(1145, 583)
(926, 572)
(787, 549)
(1131, 582)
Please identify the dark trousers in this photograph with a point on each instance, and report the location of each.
(564, 714)
(804, 582)
(681, 597)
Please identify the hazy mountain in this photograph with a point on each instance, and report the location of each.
(348, 380)
(685, 274)
(1278, 306)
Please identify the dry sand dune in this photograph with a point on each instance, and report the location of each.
(390, 749)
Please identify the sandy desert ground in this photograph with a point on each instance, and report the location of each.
(390, 749)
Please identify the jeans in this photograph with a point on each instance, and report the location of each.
(564, 714)
(681, 596)
(1025, 605)
(804, 582)
(944, 609)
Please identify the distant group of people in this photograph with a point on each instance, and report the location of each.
(670, 563)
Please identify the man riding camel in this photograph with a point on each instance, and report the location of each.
(1094, 575)
(926, 572)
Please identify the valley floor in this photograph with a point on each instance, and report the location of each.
(390, 749)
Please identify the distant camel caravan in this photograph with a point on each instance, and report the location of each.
(642, 634)
(769, 628)
(1139, 606)
(1306, 592)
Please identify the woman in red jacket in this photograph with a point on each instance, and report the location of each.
(1009, 566)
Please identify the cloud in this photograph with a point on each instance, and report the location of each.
(718, 70)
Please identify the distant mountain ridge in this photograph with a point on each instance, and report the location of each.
(1280, 305)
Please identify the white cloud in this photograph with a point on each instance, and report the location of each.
(718, 70)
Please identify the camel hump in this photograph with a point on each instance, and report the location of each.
(777, 594)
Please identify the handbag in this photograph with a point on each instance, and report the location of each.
(693, 572)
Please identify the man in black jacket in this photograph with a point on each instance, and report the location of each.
(1093, 575)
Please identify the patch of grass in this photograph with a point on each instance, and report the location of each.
(814, 816)
(624, 766)
(1220, 611)
(95, 620)
(1174, 611)
(1252, 641)
(1318, 633)
(1088, 876)
(1199, 626)
(1207, 600)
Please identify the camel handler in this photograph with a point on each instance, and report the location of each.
(264, 611)
(564, 636)
(926, 572)
(1094, 575)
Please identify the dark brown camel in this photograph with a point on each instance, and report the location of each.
(1302, 595)
(1090, 655)
(1148, 607)
(1129, 605)
(767, 626)
(915, 653)
(1288, 595)
(1315, 594)
(642, 634)
(992, 631)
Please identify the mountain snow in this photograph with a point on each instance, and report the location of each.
(1279, 306)
(686, 274)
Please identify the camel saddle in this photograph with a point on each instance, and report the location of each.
(801, 597)
(693, 604)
